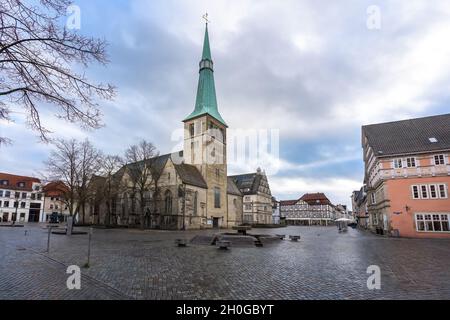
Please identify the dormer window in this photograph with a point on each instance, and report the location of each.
(21, 184)
(433, 140)
(4, 182)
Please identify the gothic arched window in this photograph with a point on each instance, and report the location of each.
(168, 202)
(235, 203)
(195, 202)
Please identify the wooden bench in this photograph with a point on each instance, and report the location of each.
(281, 236)
(294, 238)
(181, 242)
(223, 244)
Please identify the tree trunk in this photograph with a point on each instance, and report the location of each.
(142, 212)
(83, 209)
(108, 214)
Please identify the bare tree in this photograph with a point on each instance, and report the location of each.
(140, 166)
(89, 164)
(37, 57)
(74, 163)
(112, 186)
(62, 165)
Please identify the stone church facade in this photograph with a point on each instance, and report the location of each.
(190, 189)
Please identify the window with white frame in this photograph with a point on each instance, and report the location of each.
(424, 191)
(411, 162)
(443, 191)
(372, 198)
(415, 192)
(375, 219)
(433, 191)
(439, 159)
(436, 222)
(398, 163)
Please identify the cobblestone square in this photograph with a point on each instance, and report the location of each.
(146, 264)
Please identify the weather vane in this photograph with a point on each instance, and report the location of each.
(205, 16)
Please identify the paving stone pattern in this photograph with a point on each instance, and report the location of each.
(146, 264)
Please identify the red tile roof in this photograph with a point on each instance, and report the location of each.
(55, 189)
(315, 198)
(14, 180)
(288, 202)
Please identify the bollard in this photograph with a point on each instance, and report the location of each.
(48, 239)
(89, 249)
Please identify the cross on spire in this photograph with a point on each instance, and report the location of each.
(205, 16)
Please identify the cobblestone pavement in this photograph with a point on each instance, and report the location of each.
(135, 264)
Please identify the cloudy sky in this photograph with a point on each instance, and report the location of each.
(313, 70)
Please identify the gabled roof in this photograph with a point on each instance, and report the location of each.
(55, 189)
(315, 198)
(14, 180)
(232, 188)
(288, 202)
(409, 136)
(248, 183)
(189, 174)
(157, 164)
(97, 182)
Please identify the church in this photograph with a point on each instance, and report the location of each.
(194, 189)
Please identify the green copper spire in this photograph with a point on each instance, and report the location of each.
(206, 55)
(206, 101)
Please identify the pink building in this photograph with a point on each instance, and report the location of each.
(407, 172)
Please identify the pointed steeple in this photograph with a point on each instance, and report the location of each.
(206, 55)
(206, 101)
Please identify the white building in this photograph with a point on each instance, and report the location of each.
(257, 202)
(310, 209)
(21, 199)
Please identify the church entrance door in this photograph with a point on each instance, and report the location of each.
(216, 223)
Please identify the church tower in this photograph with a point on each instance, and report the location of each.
(205, 140)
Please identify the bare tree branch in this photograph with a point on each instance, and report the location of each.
(74, 163)
(140, 166)
(37, 56)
